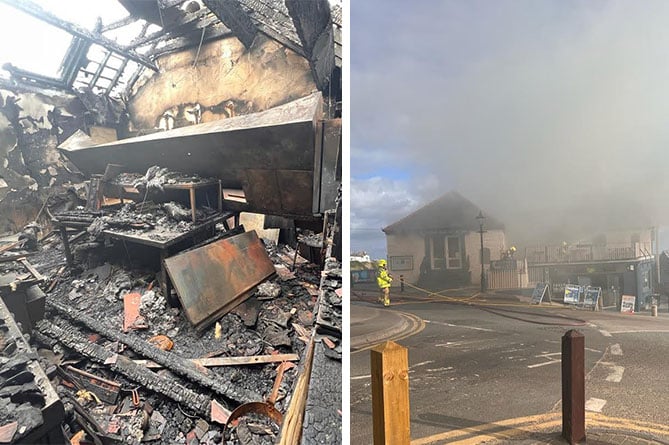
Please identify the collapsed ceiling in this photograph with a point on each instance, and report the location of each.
(96, 60)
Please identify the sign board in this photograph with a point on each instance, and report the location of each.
(591, 296)
(572, 294)
(627, 303)
(539, 293)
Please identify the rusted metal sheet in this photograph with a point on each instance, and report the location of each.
(213, 279)
(241, 151)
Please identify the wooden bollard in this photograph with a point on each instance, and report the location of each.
(390, 394)
(573, 387)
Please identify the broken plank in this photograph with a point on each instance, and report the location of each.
(252, 360)
(292, 423)
(10, 246)
(211, 362)
(35, 273)
(6, 258)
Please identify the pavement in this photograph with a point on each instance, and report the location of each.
(444, 400)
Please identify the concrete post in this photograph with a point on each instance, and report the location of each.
(390, 394)
(573, 387)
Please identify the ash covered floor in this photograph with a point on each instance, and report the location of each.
(140, 386)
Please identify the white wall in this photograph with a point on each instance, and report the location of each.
(405, 245)
(414, 245)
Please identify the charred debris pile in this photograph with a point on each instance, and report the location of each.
(148, 314)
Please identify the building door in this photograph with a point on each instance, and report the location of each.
(629, 283)
(438, 250)
(454, 253)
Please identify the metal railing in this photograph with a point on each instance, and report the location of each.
(587, 252)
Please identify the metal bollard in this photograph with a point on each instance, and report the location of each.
(573, 387)
(401, 283)
(653, 310)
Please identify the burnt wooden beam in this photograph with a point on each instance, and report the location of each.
(132, 81)
(231, 13)
(124, 64)
(31, 78)
(313, 23)
(36, 11)
(101, 67)
(152, 11)
(198, 18)
(310, 19)
(169, 360)
(119, 23)
(50, 334)
(75, 58)
(181, 43)
(116, 78)
(164, 4)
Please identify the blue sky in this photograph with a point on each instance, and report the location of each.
(534, 110)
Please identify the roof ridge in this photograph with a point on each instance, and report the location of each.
(421, 208)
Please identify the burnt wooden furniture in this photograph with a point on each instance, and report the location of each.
(167, 241)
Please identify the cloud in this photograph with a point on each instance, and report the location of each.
(378, 202)
(550, 115)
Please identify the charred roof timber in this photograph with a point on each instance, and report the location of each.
(36, 11)
(233, 15)
(313, 23)
(311, 29)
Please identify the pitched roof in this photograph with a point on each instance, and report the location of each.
(451, 211)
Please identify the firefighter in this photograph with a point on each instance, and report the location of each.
(383, 279)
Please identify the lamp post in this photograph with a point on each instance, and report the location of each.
(480, 218)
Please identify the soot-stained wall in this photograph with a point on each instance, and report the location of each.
(225, 80)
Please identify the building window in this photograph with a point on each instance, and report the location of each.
(401, 263)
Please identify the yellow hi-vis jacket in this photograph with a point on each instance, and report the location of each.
(383, 278)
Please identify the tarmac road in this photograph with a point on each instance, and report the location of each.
(469, 367)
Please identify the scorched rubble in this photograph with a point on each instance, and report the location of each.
(83, 328)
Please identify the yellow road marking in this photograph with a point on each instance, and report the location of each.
(507, 434)
(506, 429)
(535, 421)
(418, 326)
